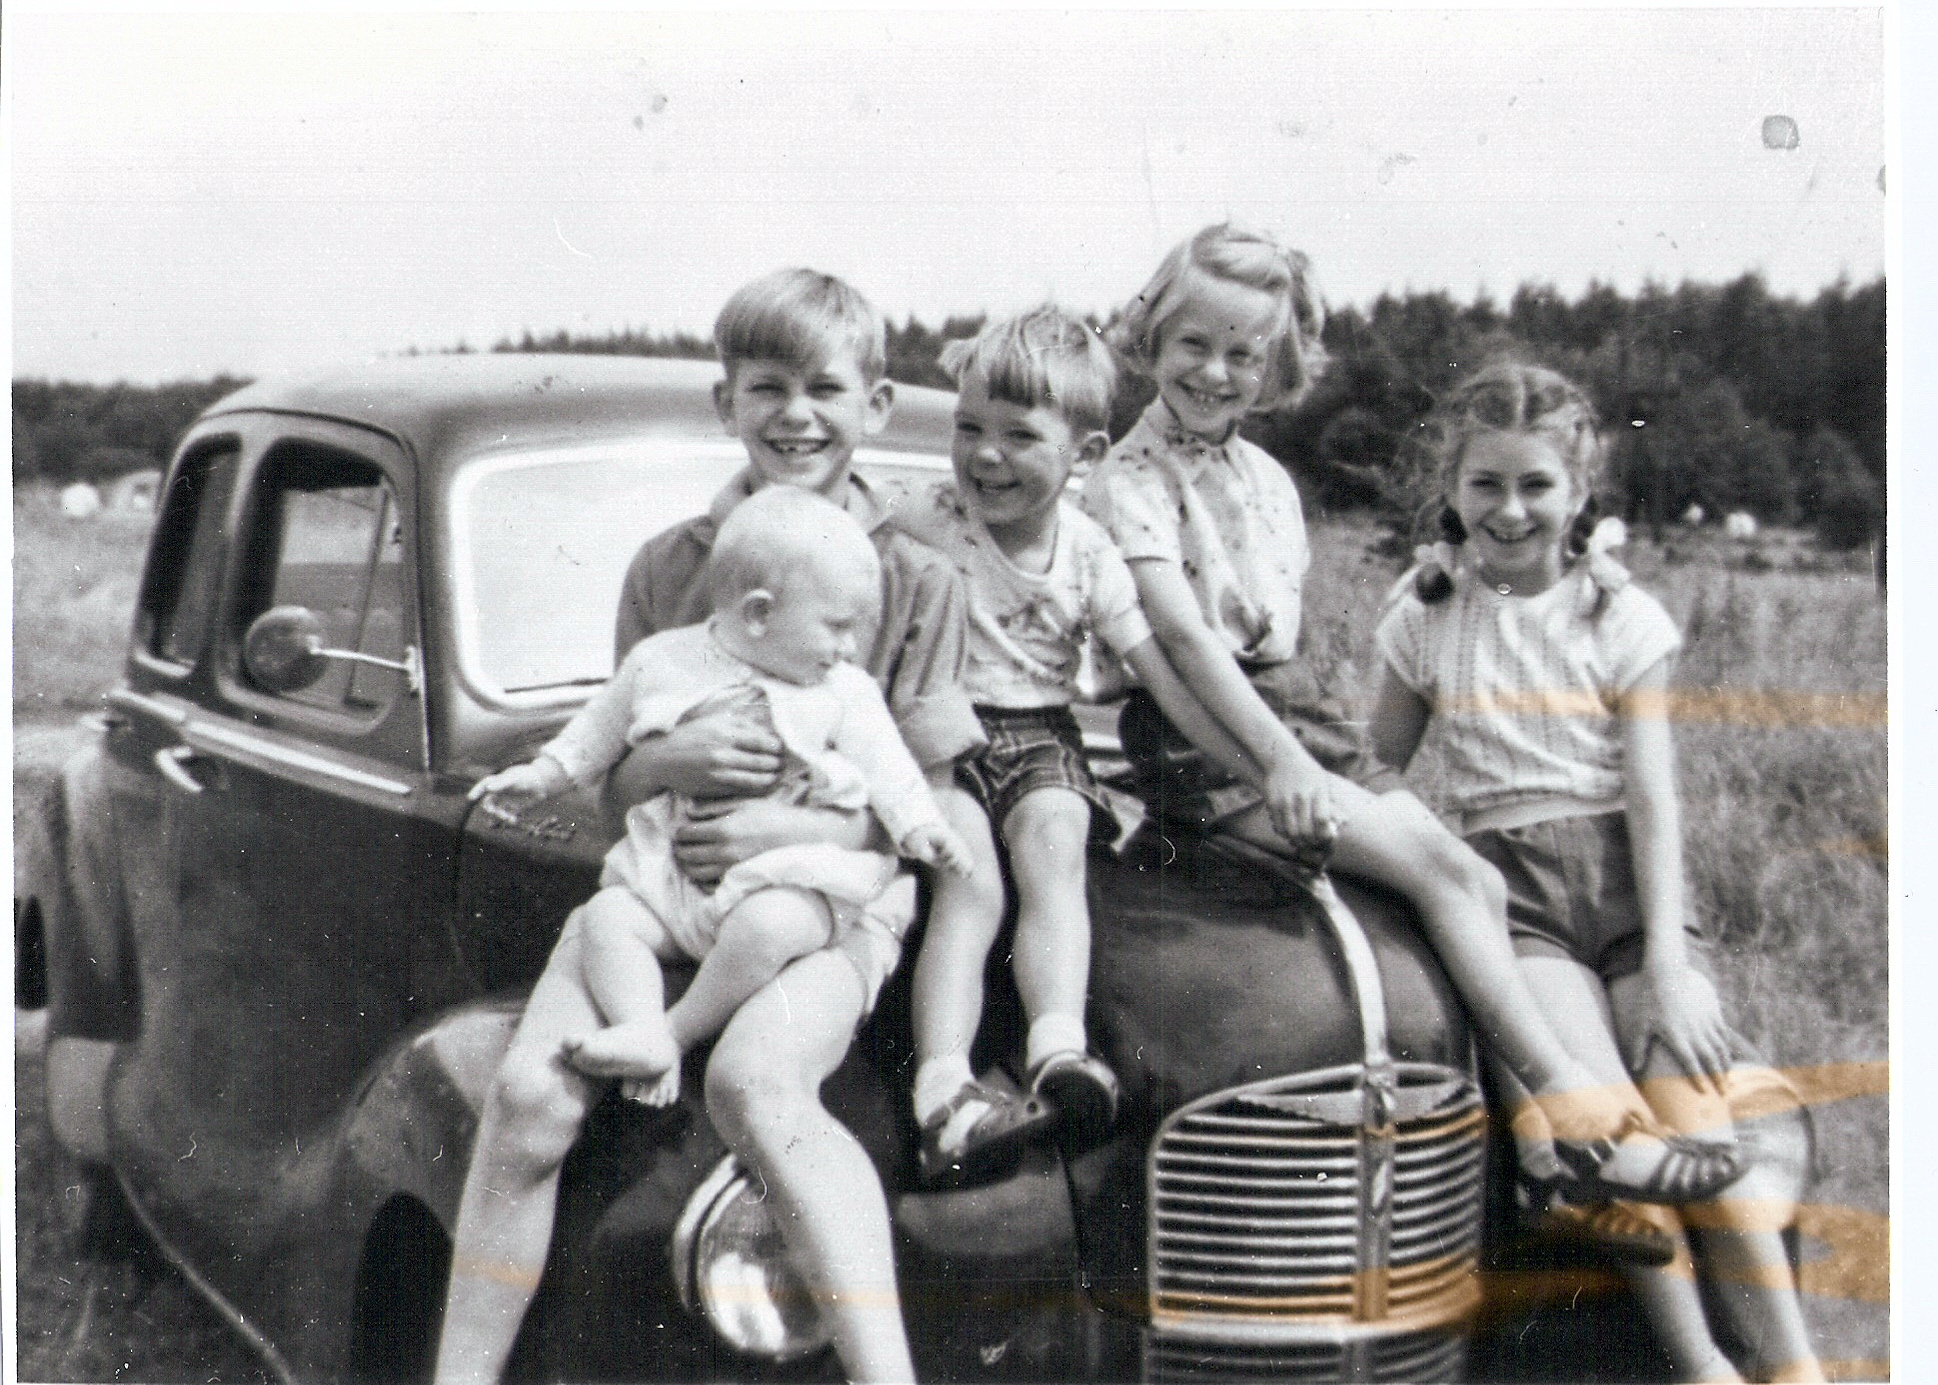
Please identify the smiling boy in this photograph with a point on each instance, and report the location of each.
(804, 356)
(1043, 579)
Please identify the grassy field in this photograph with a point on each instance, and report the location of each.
(1782, 743)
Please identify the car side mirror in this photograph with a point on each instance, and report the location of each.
(284, 652)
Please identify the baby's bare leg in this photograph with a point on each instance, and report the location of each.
(624, 943)
(758, 938)
(761, 935)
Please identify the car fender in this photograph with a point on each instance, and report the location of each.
(412, 1123)
(67, 875)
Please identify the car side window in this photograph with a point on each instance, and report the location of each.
(328, 536)
(179, 589)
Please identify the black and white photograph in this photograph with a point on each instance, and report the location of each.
(1088, 694)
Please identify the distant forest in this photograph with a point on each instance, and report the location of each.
(1727, 397)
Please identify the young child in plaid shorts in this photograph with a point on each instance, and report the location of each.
(1042, 580)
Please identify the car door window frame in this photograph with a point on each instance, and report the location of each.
(192, 536)
(396, 731)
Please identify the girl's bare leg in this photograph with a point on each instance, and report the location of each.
(1739, 1235)
(1575, 1003)
(1392, 839)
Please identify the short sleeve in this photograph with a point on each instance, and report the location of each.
(1400, 638)
(1136, 508)
(1115, 612)
(1637, 634)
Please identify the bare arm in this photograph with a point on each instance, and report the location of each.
(1400, 717)
(1295, 788)
(1187, 713)
(1688, 1016)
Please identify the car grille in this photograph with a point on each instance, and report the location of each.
(1320, 1227)
(1435, 1354)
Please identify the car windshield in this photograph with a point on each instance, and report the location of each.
(541, 542)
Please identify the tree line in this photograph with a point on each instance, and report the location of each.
(1724, 396)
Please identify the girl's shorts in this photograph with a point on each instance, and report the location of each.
(1571, 891)
(1031, 748)
(1181, 785)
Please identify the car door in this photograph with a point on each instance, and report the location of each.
(309, 851)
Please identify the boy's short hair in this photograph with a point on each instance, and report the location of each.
(1238, 255)
(780, 534)
(1044, 357)
(801, 317)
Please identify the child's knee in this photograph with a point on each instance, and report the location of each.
(1462, 870)
(740, 1089)
(611, 916)
(1049, 820)
(539, 1107)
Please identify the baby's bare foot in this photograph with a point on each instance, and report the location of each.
(638, 1049)
(648, 1092)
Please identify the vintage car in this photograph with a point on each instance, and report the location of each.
(282, 953)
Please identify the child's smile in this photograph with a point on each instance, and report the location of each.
(1516, 499)
(801, 426)
(1012, 461)
(1213, 353)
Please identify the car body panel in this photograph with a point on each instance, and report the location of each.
(285, 952)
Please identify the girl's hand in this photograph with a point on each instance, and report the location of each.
(1299, 799)
(939, 845)
(1681, 1009)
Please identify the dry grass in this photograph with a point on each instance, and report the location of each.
(74, 590)
(1785, 837)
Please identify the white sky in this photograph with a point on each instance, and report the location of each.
(197, 192)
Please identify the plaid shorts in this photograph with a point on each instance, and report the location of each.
(1031, 748)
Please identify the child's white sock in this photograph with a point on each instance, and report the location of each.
(937, 1080)
(1054, 1034)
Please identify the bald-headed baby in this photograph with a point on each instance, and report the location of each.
(796, 593)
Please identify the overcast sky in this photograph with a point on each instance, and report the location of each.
(195, 193)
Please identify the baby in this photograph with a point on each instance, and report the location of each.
(796, 586)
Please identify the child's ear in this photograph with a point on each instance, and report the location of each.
(1091, 450)
(881, 403)
(723, 401)
(755, 609)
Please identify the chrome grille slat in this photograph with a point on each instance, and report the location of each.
(1432, 1221)
(1247, 1239)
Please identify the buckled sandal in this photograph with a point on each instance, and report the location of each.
(1621, 1232)
(990, 1147)
(1081, 1091)
(1689, 1170)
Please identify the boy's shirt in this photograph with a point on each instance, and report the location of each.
(1028, 631)
(916, 654)
(1227, 514)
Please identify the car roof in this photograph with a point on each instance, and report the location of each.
(448, 406)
